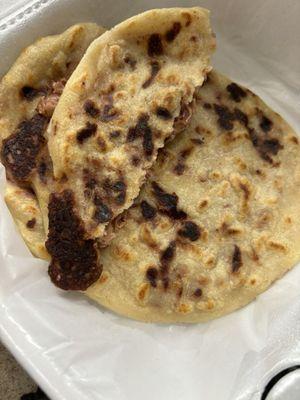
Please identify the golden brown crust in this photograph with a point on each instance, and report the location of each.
(203, 242)
(28, 95)
(134, 80)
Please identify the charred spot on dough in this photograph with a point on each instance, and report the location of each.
(163, 113)
(155, 67)
(148, 211)
(102, 144)
(128, 59)
(180, 166)
(142, 130)
(186, 152)
(63, 178)
(106, 91)
(163, 154)
(236, 261)
(91, 109)
(42, 170)
(133, 133)
(86, 133)
(265, 147)
(120, 188)
(74, 263)
(265, 124)
(226, 117)
(168, 254)
(197, 292)
(147, 142)
(166, 258)
(173, 32)
(190, 230)
(155, 47)
(115, 134)
(241, 116)
(152, 276)
(270, 146)
(236, 92)
(29, 93)
(108, 111)
(90, 181)
(135, 161)
(254, 137)
(20, 150)
(31, 223)
(102, 212)
(115, 190)
(30, 192)
(167, 203)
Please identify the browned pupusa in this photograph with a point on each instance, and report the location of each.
(199, 243)
(130, 92)
(29, 93)
(218, 220)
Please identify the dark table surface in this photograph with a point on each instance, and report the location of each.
(15, 384)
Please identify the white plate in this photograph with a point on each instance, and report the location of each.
(76, 350)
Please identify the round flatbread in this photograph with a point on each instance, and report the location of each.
(218, 219)
(28, 95)
(130, 92)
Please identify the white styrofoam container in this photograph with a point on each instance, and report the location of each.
(76, 350)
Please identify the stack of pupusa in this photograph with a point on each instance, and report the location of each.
(215, 221)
